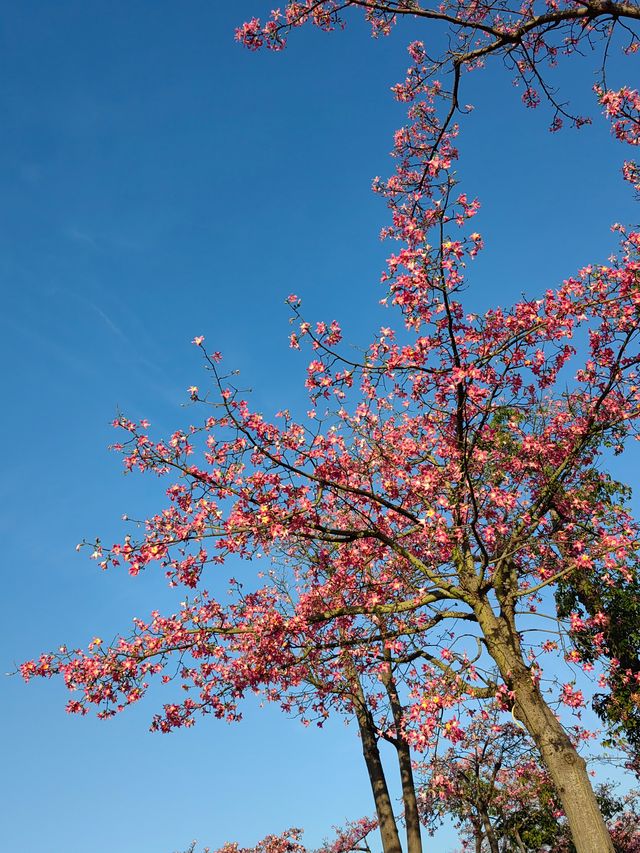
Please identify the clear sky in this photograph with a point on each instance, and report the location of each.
(157, 182)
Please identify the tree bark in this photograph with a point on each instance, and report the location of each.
(384, 809)
(491, 836)
(478, 837)
(369, 739)
(411, 814)
(566, 767)
(518, 841)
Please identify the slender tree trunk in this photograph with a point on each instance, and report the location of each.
(518, 841)
(566, 767)
(479, 838)
(491, 836)
(411, 814)
(478, 833)
(384, 808)
(369, 739)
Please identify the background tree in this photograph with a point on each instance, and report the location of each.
(350, 838)
(610, 624)
(493, 784)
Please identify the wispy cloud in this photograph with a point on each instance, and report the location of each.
(109, 323)
(78, 236)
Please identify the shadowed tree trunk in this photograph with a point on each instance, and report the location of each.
(491, 836)
(411, 815)
(518, 840)
(371, 753)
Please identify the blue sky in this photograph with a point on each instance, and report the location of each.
(157, 182)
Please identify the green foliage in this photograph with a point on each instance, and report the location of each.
(618, 637)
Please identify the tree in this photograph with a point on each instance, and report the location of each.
(439, 489)
(503, 800)
(351, 838)
(617, 632)
(624, 819)
(492, 783)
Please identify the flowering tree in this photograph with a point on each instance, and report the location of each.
(492, 783)
(348, 839)
(351, 838)
(623, 815)
(503, 800)
(439, 489)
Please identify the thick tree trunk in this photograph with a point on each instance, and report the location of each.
(566, 767)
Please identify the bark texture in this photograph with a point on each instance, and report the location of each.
(566, 767)
(384, 808)
(410, 802)
(369, 740)
(491, 836)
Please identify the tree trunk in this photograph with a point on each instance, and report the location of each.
(411, 814)
(491, 836)
(478, 837)
(384, 809)
(369, 739)
(566, 767)
(518, 841)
